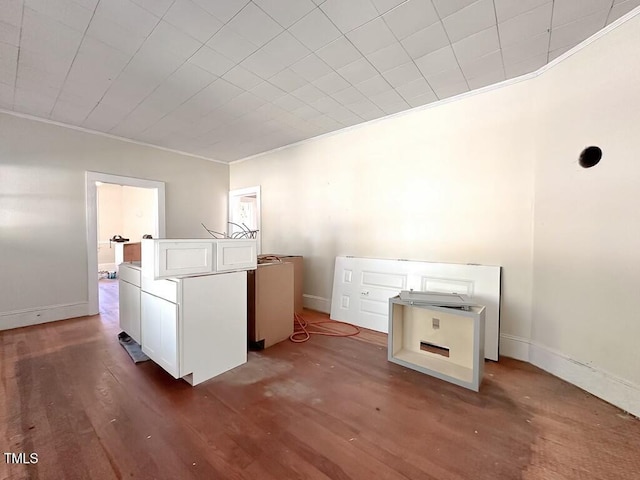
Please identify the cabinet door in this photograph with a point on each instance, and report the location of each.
(160, 332)
(129, 299)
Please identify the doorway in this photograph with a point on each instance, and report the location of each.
(157, 223)
(244, 212)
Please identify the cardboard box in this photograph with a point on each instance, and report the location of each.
(298, 275)
(269, 304)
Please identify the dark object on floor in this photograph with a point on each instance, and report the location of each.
(132, 347)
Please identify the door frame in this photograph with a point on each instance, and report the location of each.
(92, 222)
(247, 192)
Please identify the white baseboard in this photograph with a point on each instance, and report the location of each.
(608, 387)
(514, 347)
(34, 316)
(320, 304)
(612, 389)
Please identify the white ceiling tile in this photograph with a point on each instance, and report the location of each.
(621, 8)
(575, 32)
(506, 9)
(286, 12)
(442, 80)
(339, 53)
(325, 104)
(263, 64)
(531, 47)
(384, 6)
(9, 34)
(472, 19)
(558, 51)
(331, 83)
(344, 116)
(308, 93)
(389, 101)
(373, 86)
(451, 90)
(66, 12)
(348, 95)
(157, 7)
(44, 35)
(358, 71)
(193, 20)
(315, 30)
(106, 116)
(306, 112)
(311, 68)
(231, 45)
(423, 99)
(477, 45)
(371, 36)
(243, 103)
(122, 25)
(567, 11)
(289, 103)
(527, 66)
(211, 61)
(389, 57)
(414, 89)
(241, 77)
(268, 92)
(482, 66)
(366, 109)
(69, 113)
(254, 25)
(403, 74)
(441, 60)
(488, 78)
(11, 12)
(8, 63)
(447, 7)
(528, 25)
(167, 38)
(347, 15)
(411, 17)
(223, 11)
(33, 102)
(286, 49)
(327, 123)
(287, 80)
(426, 41)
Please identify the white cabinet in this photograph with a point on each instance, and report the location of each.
(160, 332)
(166, 258)
(129, 300)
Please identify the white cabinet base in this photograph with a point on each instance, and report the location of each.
(446, 343)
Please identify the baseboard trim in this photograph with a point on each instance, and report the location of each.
(313, 302)
(516, 347)
(604, 385)
(35, 316)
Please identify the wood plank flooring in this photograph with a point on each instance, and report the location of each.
(331, 408)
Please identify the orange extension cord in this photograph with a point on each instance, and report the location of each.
(302, 329)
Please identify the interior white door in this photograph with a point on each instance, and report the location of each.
(160, 332)
(362, 288)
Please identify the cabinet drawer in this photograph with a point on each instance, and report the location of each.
(167, 289)
(129, 274)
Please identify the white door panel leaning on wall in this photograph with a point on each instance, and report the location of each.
(362, 288)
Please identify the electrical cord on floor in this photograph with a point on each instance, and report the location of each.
(302, 329)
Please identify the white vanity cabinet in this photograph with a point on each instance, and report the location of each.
(187, 304)
(196, 327)
(129, 300)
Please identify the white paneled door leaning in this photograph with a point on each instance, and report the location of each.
(362, 288)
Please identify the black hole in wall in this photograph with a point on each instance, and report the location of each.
(590, 157)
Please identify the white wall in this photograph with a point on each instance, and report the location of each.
(587, 226)
(43, 256)
(138, 212)
(458, 183)
(446, 184)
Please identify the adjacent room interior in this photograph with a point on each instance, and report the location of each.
(305, 134)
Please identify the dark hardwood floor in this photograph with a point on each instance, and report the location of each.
(331, 408)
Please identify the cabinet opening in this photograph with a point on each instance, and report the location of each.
(433, 348)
